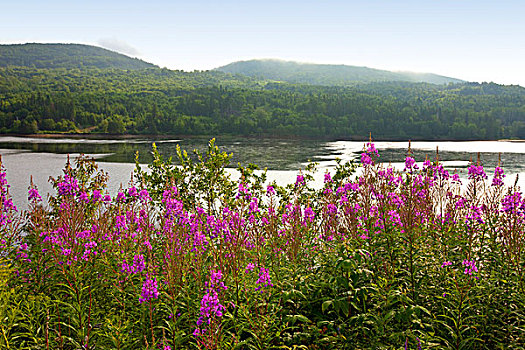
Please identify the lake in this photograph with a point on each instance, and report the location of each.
(284, 158)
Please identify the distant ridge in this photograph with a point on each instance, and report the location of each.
(326, 74)
(67, 56)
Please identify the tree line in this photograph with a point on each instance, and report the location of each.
(161, 101)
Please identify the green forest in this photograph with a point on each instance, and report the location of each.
(326, 74)
(49, 96)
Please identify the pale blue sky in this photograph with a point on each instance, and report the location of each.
(477, 40)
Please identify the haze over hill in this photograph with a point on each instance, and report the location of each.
(113, 95)
(66, 56)
(326, 74)
(86, 56)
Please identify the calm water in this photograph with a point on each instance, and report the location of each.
(43, 158)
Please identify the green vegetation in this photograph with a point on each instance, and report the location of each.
(161, 101)
(326, 74)
(67, 56)
(187, 258)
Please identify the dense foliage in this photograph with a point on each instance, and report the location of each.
(67, 56)
(187, 258)
(326, 74)
(66, 95)
(161, 101)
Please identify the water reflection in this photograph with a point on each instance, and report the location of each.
(267, 153)
(45, 157)
(509, 154)
(277, 154)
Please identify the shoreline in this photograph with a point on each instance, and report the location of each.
(98, 136)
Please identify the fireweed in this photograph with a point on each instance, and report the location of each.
(195, 260)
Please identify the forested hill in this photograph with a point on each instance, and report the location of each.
(76, 95)
(161, 101)
(326, 74)
(66, 56)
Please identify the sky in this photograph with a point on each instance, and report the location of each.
(474, 40)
